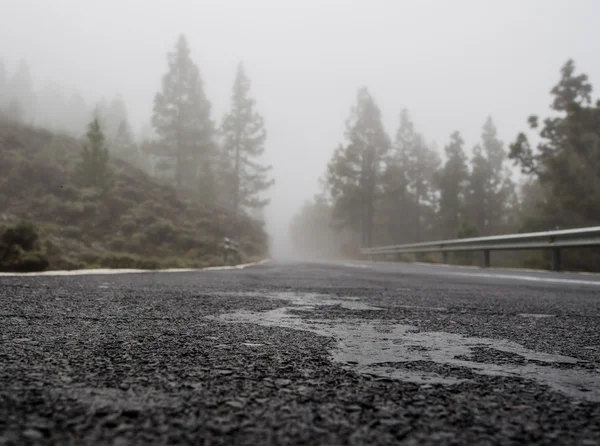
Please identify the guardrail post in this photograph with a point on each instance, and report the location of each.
(486, 258)
(225, 250)
(555, 259)
(445, 257)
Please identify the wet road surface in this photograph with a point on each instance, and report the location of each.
(290, 353)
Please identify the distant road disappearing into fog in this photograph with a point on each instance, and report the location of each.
(301, 353)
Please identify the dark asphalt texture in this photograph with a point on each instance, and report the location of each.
(152, 358)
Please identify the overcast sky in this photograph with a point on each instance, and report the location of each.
(450, 62)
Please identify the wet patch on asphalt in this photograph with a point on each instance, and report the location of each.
(387, 349)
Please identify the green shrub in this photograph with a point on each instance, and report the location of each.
(115, 260)
(137, 243)
(117, 206)
(214, 260)
(131, 193)
(67, 211)
(72, 232)
(191, 241)
(26, 261)
(68, 192)
(19, 249)
(51, 248)
(24, 235)
(90, 208)
(161, 231)
(117, 244)
(127, 224)
(90, 194)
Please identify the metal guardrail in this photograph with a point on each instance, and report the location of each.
(230, 245)
(554, 240)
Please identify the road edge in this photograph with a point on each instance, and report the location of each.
(106, 271)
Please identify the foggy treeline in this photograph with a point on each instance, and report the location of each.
(380, 186)
(380, 189)
(182, 145)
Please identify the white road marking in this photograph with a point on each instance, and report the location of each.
(526, 278)
(355, 265)
(83, 272)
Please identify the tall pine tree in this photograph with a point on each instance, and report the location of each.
(354, 173)
(123, 146)
(500, 186)
(93, 169)
(476, 199)
(110, 115)
(244, 137)
(3, 88)
(420, 164)
(566, 160)
(564, 167)
(182, 119)
(22, 91)
(76, 114)
(490, 187)
(397, 204)
(451, 180)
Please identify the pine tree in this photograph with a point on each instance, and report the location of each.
(476, 200)
(397, 204)
(424, 162)
(51, 106)
(490, 187)
(451, 181)
(93, 169)
(123, 145)
(116, 118)
(420, 164)
(564, 167)
(3, 88)
(110, 115)
(99, 114)
(76, 114)
(566, 159)
(244, 138)
(354, 173)
(500, 186)
(21, 89)
(15, 111)
(182, 118)
(311, 230)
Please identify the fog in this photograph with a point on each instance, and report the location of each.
(451, 63)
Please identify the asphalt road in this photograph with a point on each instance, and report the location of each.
(291, 353)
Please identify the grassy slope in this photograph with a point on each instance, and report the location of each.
(141, 223)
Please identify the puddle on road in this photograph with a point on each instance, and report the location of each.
(536, 315)
(309, 301)
(385, 349)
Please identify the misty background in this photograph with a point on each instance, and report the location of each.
(451, 63)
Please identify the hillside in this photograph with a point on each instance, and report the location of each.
(139, 223)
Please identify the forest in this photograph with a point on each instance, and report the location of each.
(380, 189)
(79, 189)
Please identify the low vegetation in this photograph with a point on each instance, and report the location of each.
(131, 221)
(20, 250)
